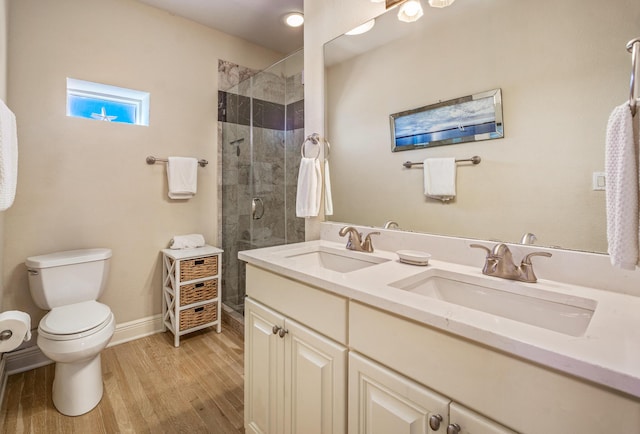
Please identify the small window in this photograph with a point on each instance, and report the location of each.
(107, 103)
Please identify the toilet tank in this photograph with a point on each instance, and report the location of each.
(68, 277)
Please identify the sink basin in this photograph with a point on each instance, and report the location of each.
(526, 303)
(341, 261)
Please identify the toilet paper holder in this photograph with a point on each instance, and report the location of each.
(5, 335)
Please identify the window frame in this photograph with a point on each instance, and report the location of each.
(99, 91)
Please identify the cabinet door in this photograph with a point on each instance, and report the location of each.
(315, 382)
(382, 402)
(470, 422)
(264, 370)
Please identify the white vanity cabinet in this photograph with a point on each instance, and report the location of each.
(526, 397)
(382, 401)
(295, 378)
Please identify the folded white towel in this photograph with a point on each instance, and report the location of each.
(440, 178)
(309, 188)
(182, 177)
(622, 188)
(8, 157)
(328, 198)
(186, 241)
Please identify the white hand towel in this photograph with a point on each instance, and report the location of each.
(328, 198)
(622, 189)
(186, 241)
(309, 188)
(182, 176)
(440, 178)
(8, 157)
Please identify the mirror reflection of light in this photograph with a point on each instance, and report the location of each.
(294, 19)
(410, 11)
(440, 3)
(363, 28)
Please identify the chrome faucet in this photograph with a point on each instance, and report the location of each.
(391, 225)
(528, 238)
(355, 241)
(499, 263)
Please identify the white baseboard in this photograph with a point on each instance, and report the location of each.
(132, 330)
(31, 357)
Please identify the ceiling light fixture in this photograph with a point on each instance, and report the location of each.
(440, 3)
(294, 19)
(362, 28)
(410, 11)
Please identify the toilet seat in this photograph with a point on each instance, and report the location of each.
(75, 321)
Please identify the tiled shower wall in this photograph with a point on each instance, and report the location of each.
(267, 170)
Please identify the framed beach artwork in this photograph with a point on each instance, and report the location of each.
(466, 119)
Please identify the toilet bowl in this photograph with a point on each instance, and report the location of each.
(77, 327)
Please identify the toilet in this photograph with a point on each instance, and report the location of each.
(77, 327)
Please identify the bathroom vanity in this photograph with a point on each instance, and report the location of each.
(325, 326)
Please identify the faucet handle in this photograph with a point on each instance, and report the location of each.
(480, 246)
(526, 267)
(367, 246)
(527, 259)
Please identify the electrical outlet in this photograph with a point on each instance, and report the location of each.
(599, 181)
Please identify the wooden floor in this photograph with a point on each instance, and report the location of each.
(149, 387)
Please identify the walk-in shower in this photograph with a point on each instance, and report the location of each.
(260, 121)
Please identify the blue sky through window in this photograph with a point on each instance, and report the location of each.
(104, 102)
(85, 107)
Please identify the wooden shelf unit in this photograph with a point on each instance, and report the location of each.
(191, 290)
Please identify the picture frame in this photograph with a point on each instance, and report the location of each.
(466, 119)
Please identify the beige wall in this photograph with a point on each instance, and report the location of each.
(3, 97)
(85, 183)
(325, 20)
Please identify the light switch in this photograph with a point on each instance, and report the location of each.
(599, 181)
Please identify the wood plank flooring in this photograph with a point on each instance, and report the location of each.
(149, 387)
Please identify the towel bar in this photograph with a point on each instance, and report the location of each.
(315, 139)
(633, 47)
(475, 160)
(154, 160)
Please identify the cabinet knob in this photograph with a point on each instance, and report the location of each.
(276, 329)
(434, 422)
(453, 428)
(282, 332)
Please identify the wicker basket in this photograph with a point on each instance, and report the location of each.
(195, 292)
(195, 316)
(198, 268)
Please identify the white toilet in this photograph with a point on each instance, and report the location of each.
(77, 327)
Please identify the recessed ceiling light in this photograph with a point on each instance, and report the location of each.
(362, 28)
(294, 19)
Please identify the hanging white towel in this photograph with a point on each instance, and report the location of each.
(309, 188)
(8, 157)
(440, 178)
(182, 176)
(328, 198)
(622, 188)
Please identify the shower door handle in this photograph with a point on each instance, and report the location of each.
(257, 208)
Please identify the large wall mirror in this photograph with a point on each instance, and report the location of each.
(562, 67)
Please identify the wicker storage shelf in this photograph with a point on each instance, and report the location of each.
(198, 268)
(191, 290)
(200, 291)
(195, 316)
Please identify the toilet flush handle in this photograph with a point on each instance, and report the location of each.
(32, 272)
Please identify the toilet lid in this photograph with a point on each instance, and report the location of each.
(75, 318)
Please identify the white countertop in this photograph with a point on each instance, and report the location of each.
(608, 353)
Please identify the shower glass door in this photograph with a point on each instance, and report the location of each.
(262, 130)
